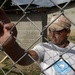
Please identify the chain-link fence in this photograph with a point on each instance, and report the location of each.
(13, 69)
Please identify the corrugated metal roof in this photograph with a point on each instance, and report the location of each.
(40, 3)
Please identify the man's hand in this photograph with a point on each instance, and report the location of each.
(5, 34)
(8, 26)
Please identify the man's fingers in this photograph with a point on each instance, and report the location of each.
(8, 25)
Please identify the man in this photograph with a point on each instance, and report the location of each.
(52, 56)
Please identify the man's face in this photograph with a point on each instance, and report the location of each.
(59, 37)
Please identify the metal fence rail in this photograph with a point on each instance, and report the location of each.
(13, 66)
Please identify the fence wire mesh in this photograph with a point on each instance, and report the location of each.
(59, 56)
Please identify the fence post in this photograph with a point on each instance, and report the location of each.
(44, 23)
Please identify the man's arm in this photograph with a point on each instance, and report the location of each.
(11, 47)
(15, 52)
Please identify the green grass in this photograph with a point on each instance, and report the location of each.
(32, 70)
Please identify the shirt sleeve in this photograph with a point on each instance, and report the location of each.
(39, 49)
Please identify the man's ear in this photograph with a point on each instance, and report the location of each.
(68, 32)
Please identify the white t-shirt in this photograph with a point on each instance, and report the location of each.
(49, 55)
